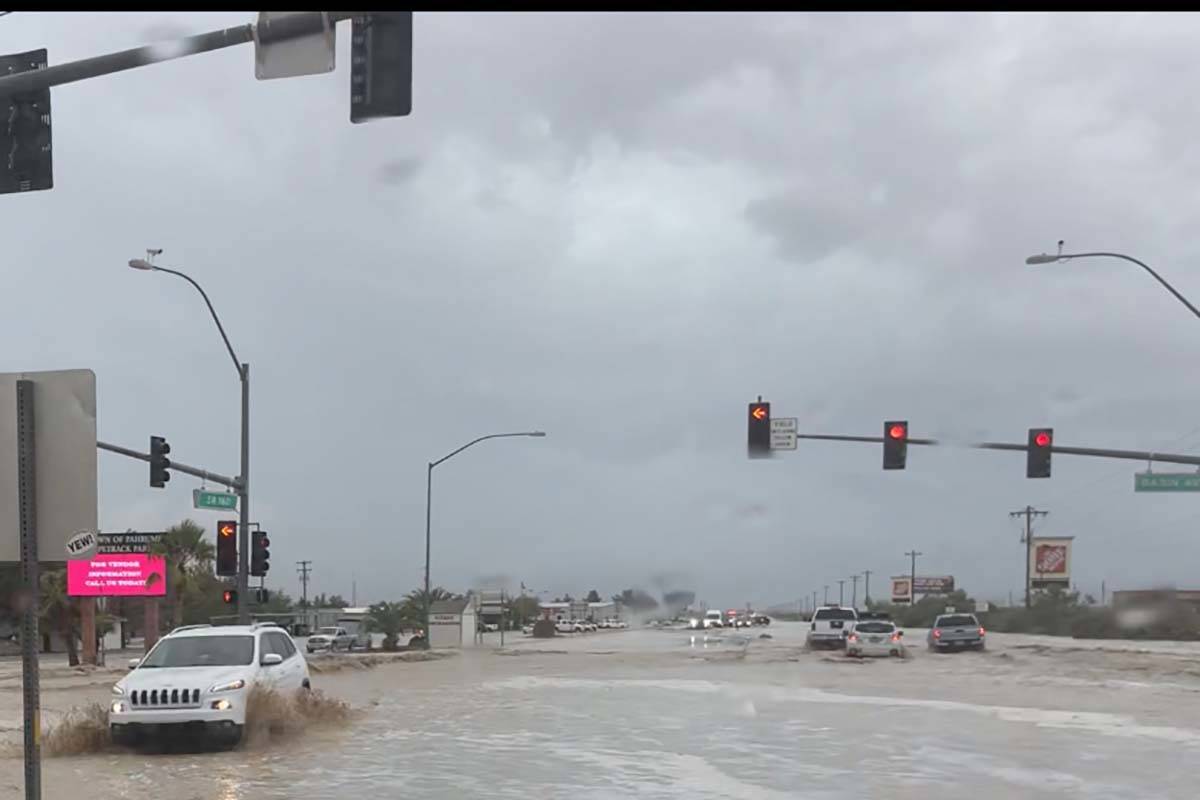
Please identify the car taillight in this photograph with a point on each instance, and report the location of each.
(937, 633)
(895, 637)
(852, 637)
(982, 631)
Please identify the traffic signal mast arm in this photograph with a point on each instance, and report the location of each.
(277, 30)
(1099, 452)
(203, 474)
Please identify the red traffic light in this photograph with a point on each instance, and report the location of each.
(1042, 439)
(229, 596)
(898, 431)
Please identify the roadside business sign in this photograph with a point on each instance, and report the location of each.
(1166, 482)
(82, 545)
(117, 575)
(128, 542)
(934, 584)
(1050, 561)
(902, 589)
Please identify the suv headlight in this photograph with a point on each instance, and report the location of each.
(117, 690)
(227, 687)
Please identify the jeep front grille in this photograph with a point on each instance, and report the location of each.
(164, 698)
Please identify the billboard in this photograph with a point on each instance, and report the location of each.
(935, 584)
(902, 590)
(117, 575)
(1050, 561)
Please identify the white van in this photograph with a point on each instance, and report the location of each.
(713, 618)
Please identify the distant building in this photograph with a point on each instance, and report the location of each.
(556, 611)
(1140, 598)
(601, 610)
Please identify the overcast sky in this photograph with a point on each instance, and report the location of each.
(620, 229)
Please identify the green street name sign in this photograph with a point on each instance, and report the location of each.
(1166, 482)
(222, 501)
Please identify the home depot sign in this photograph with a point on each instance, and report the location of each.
(1050, 561)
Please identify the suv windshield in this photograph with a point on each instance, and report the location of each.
(201, 651)
(956, 621)
(836, 613)
(327, 632)
(874, 627)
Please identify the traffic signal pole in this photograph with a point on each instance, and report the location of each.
(243, 490)
(269, 32)
(197, 472)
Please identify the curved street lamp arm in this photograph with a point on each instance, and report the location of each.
(1144, 266)
(236, 364)
(453, 453)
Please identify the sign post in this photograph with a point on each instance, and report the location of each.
(27, 503)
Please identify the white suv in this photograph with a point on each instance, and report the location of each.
(203, 674)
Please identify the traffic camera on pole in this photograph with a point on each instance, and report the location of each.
(159, 463)
(259, 553)
(758, 431)
(1041, 444)
(227, 560)
(895, 444)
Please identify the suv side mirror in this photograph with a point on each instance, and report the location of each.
(271, 659)
(133, 662)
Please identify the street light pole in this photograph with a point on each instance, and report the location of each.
(1045, 258)
(243, 480)
(429, 505)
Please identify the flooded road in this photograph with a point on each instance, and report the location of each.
(664, 714)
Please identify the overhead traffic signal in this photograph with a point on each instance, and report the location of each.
(229, 597)
(25, 159)
(381, 65)
(159, 463)
(259, 553)
(758, 431)
(1041, 444)
(261, 595)
(895, 444)
(227, 557)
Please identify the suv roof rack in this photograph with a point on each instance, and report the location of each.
(189, 628)
(266, 623)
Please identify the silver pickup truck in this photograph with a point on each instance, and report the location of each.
(956, 632)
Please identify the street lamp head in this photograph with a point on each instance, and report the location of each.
(140, 263)
(1044, 258)
(537, 433)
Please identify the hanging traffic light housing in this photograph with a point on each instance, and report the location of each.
(159, 463)
(381, 65)
(1041, 445)
(260, 553)
(758, 431)
(895, 444)
(26, 163)
(227, 560)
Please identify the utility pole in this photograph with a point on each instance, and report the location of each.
(867, 588)
(1028, 512)
(912, 586)
(841, 592)
(854, 590)
(827, 594)
(304, 567)
(814, 605)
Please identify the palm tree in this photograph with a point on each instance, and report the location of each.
(58, 612)
(188, 554)
(390, 620)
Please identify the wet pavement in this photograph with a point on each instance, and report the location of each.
(668, 714)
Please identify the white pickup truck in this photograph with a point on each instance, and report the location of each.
(360, 637)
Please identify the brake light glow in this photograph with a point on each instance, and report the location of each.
(937, 633)
(852, 637)
(981, 630)
(895, 637)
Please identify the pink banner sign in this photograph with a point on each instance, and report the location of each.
(117, 575)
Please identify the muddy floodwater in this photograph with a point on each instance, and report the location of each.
(665, 714)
